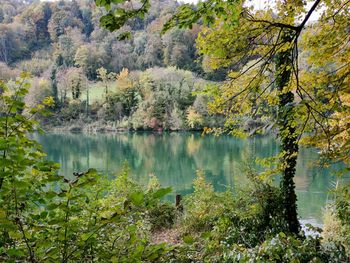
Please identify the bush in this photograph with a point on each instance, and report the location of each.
(88, 217)
(343, 213)
(48, 218)
(205, 206)
(246, 217)
(73, 111)
(282, 248)
(337, 219)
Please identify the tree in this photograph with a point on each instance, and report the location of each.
(36, 66)
(262, 47)
(87, 21)
(179, 48)
(9, 11)
(89, 58)
(7, 73)
(121, 55)
(106, 78)
(62, 84)
(270, 47)
(77, 82)
(47, 217)
(193, 118)
(124, 82)
(18, 153)
(68, 44)
(37, 18)
(54, 86)
(153, 55)
(60, 21)
(10, 44)
(40, 88)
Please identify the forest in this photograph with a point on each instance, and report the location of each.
(142, 70)
(98, 81)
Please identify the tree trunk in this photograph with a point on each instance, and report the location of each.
(288, 135)
(87, 101)
(54, 87)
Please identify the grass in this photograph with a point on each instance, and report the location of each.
(96, 91)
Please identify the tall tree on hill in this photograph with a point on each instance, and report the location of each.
(90, 58)
(59, 23)
(87, 21)
(37, 18)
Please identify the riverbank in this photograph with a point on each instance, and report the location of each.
(110, 127)
(81, 126)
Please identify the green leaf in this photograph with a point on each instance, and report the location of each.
(137, 198)
(206, 235)
(162, 192)
(12, 252)
(282, 235)
(188, 239)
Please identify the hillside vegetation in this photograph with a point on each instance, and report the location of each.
(98, 81)
(219, 66)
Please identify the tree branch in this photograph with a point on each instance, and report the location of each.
(307, 17)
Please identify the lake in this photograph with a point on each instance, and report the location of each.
(175, 157)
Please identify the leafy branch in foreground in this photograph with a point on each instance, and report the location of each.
(263, 45)
(267, 84)
(45, 217)
(88, 217)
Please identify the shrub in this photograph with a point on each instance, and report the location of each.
(282, 248)
(337, 219)
(205, 206)
(73, 111)
(246, 217)
(48, 218)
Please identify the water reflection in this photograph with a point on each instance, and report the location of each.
(174, 158)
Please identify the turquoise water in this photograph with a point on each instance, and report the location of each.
(175, 157)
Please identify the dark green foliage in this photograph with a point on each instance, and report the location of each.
(208, 11)
(87, 21)
(54, 86)
(342, 205)
(122, 104)
(282, 248)
(45, 217)
(245, 226)
(247, 217)
(162, 216)
(117, 17)
(88, 217)
(71, 112)
(288, 134)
